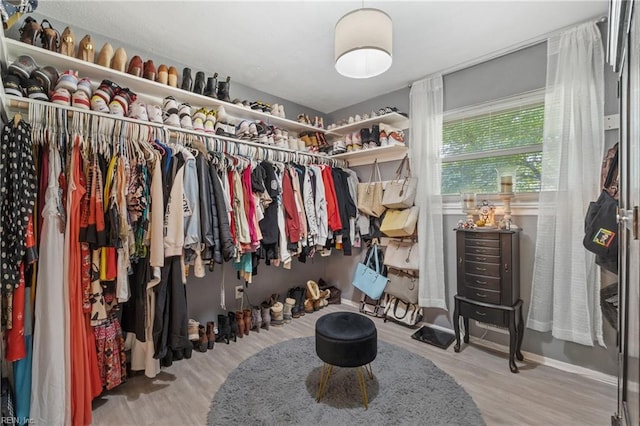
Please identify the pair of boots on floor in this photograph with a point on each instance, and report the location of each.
(202, 338)
(309, 299)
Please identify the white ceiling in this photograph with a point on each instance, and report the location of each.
(286, 48)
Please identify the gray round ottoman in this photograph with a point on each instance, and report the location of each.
(349, 340)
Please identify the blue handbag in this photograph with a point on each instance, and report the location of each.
(368, 280)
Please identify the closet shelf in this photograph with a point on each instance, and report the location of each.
(23, 103)
(393, 119)
(147, 90)
(368, 156)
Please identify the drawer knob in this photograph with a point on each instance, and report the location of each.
(460, 259)
(481, 313)
(483, 296)
(480, 269)
(482, 258)
(506, 266)
(481, 282)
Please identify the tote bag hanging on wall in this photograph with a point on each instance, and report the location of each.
(368, 277)
(370, 194)
(400, 193)
(402, 255)
(400, 223)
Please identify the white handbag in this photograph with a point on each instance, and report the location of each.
(403, 255)
(402, 312)
(400, 193)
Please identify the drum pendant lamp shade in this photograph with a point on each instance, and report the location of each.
(363, 41)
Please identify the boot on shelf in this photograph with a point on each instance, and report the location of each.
(224, 329)
(212, 86)
(211, 334)
(247, 321)
(223, 90)
(233, 325)
(199, 83)
(187, 80)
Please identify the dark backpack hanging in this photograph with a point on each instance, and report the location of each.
(601, 223)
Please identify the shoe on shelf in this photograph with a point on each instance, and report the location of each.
(138, 110)
(86, 49)
(184, 112)
(163, 74)
(187, 80)
(119, 60)
(68, 80)
(47, 76)
(223, 90)
(172, 77)
(338, 147)
(135, 66)
(49, 36)
(105, 56)
(199, 83)
(154, 112)
(198, 119)
(149, 70)
(212, 86)
(210, 121)
(119, 105)
(68, 42)
(84, 85)
(281, 111)
(274, 109)
(12, 85)
(23, 66)
(61, 96)
(30, 31)
(103, 95)
(34, 90)
(80, 99)
(170, 112)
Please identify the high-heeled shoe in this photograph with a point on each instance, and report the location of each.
(119, 60)
(105, 56)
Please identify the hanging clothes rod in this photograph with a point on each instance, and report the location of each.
(23, 103)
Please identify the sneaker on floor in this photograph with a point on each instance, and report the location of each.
(80, 99)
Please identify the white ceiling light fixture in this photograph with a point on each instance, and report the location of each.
(363, 41)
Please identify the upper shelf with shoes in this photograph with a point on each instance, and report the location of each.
(386, 153)
(146, 90)
(393, 119)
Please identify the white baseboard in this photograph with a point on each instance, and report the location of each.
(538, 359)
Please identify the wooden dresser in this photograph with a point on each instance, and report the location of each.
(488, 291)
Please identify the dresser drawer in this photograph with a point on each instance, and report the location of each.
(481, 295)
(482, 314)
(482, 235)
(483, 251)
(482, 282)
(472, 242)
(481, 268)
(482, 258)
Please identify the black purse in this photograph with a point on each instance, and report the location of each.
(601, 222)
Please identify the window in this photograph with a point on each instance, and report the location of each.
(479, 141)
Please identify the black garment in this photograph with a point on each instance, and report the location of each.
(225, 242)
(17, 198)
(170, 321)
(269, 223)
(208, 212)
(134, 310)
(346, 206)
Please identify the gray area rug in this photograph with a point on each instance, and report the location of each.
(278, 386)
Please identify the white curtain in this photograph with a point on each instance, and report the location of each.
(566, 281)
(426, 142)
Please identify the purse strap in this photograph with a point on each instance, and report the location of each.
(373, 252)
(403, 163)
(395, 308)
(374, 169)
(613, 167)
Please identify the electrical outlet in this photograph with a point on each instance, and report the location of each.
(239, 291)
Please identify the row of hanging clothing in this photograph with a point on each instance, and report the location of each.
(102, 222)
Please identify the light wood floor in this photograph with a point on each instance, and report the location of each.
(538, 395)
